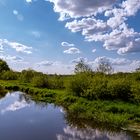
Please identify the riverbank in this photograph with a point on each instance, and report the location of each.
(115, 114)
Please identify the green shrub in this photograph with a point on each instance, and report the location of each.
(40, 81)
(98, 89)
(56, 82)
(137, 76)
(79, 84)
(120, 89)
(135, 89)
(9, 75)
(27, 75)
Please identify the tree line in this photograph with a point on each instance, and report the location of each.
(101, 84)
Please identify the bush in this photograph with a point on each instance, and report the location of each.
(79, 84)
(40, 81)
(27, 75)
(56, 82)
(120, 89)
(98, 89)
(9, 75)
(135, 89)
(137, 76)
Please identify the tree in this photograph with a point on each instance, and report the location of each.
(104, 66)
(27, 75)
(138, 69)
(82, 67)
(3, 66)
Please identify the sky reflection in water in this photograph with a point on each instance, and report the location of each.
(23, 119)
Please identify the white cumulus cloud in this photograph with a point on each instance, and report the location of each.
(112, 31)
(28, 1)
(11, 58)
(72, 50)
(80, 8)
(15, 45)
(66, 44)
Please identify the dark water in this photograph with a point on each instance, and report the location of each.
(23, 119)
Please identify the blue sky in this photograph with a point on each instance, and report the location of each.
(52, 35)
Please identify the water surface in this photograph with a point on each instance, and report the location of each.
(24, 119)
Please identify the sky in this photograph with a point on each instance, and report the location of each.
(52, 36)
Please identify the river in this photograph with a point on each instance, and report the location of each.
(24, 119)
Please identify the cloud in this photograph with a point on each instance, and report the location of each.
(131, 7)
(135, 64)
(11, 58)
(113, 61)
(111, 30)
(15, 12)
(132, 47)
(45, 63)
(20, 47)
(72, 51)
(94, 50)
(54, 67)
(87, 26)
(18, 15)
(15, 45)
(79, 59)
(80, 8)
(48, 63)
(66, 44)
(115, 37)
(122, 39)
(119, 61)
(29, 1)
(36, 34)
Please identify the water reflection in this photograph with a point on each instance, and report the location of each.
(74, 133)
(13, 102)
(82, 130)
(24, 119)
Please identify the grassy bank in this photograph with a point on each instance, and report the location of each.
(114, 114)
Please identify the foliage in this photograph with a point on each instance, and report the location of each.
(27, 75)
(104, 66)
(56, 82)
(98, 89)
(82, 67)
(40, 81)
(9, 75)
(3, 66)
(79, 84)
(105, 87)
(120, 89)
(138, 69)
